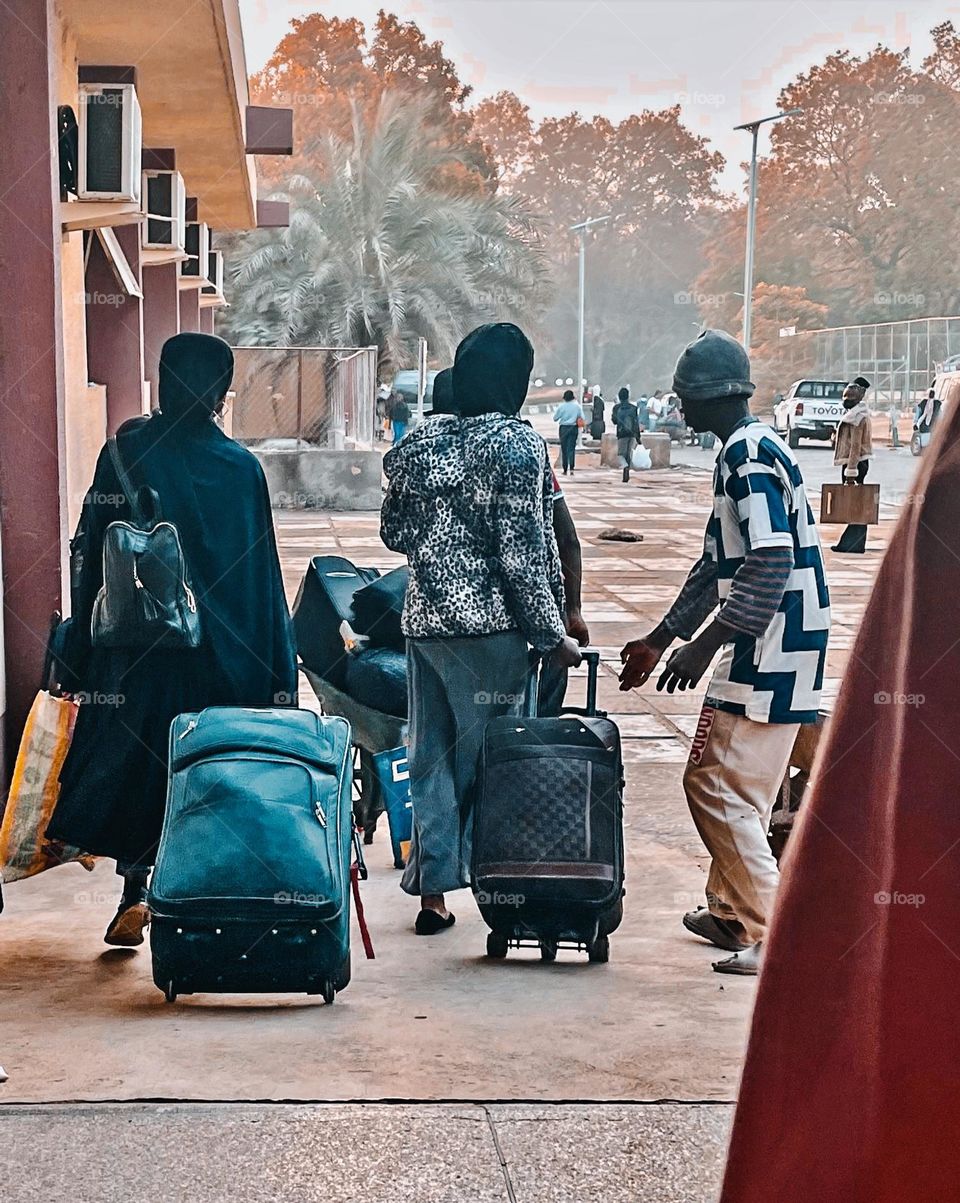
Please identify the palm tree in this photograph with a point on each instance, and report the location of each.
(382, 249)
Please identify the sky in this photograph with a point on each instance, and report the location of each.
(723, 61)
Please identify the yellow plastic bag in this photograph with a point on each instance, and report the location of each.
(34, 790)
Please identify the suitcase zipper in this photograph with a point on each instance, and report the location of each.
(318, 810)
(191, 726)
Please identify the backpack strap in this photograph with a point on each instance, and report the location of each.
(130, 491)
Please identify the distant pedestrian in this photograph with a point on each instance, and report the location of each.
(383, 396)
(399, 419)
(928, 414)
(597, 423)
(643, 415)
(672, 421)
(569, 417)
(655, 410)
(852, 453)
(626, 418)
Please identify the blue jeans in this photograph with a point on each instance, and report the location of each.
(399, 430)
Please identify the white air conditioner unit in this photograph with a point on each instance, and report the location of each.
(214, 286)
(111, 140)
(197, 245)
(165, 202)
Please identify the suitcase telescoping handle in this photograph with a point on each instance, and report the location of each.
(589, 656)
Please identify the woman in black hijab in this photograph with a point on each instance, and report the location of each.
(113, 784)
(443, 404)
(470, 503)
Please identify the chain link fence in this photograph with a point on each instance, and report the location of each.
(320, 396)
(899, 358)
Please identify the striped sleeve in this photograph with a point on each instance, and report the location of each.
(757, 590)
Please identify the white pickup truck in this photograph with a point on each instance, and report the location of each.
(810, 409)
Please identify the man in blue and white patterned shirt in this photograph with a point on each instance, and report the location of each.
(762, 565)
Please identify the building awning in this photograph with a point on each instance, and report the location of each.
(192, 88)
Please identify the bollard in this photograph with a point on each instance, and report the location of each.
(658, 444)
(609, 456)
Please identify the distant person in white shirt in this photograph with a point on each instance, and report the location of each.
(655, 409)
(569, 417)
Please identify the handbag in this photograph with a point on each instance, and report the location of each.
(145, 600)
(845, 505)
(35, 785)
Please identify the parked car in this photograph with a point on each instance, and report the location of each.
(811, 409)
(407, 383)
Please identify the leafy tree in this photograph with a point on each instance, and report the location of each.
(504, 126)
(855, 200)
(659, 181)
(324, 68)
(378, 253)
(777, 361)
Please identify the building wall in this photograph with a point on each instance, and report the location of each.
(84, 407)
(32, 434)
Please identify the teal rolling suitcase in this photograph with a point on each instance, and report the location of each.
(251, 890)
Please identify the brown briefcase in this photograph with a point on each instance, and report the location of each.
(850, 504)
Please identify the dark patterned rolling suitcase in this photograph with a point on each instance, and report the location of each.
(547, 865)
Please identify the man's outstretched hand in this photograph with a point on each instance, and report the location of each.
(688, 663)
(685, 667)
(639, 658)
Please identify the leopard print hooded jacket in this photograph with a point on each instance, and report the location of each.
(470, 503)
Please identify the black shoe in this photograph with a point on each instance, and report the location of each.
(853, 540)
(429, 923)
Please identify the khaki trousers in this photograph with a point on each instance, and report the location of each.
(731, 781)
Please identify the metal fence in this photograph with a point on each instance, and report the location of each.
(899, 358)
(323, 396)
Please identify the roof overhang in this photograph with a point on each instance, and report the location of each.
(192, 89)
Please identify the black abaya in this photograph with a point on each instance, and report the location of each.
(113, 784)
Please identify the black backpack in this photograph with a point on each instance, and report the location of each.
(145, 600)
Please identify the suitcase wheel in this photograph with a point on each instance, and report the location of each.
(328, 992)
(599, 950)
(548, 950)
(170, 992)
(497, 945)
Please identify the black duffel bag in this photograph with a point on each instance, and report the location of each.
(377, 677)
(378, 608)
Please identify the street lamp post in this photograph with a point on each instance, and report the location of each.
(582, 231)
(754, 128)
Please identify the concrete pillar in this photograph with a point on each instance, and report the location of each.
(658, 444)
(32, 529)
(206, 320)
(189, 308)
(115, 329)
(609, 455)
(161, 319)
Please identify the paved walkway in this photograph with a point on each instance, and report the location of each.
(432, 1019)
(347, 1154)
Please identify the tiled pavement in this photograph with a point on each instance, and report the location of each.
(427, 1020)
(627, 586)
